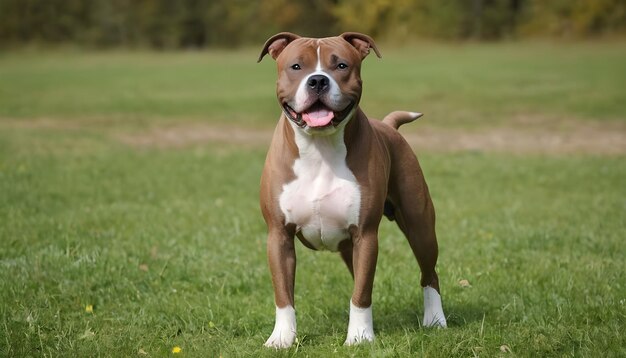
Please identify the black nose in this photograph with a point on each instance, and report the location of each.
(318, 83)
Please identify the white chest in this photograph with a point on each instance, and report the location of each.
(324, 200)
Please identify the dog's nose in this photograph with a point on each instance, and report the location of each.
(318, 83)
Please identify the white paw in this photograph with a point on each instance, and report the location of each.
(284, 333)
(359, 335)
(361, 326)
(281, 338)
(433, 311)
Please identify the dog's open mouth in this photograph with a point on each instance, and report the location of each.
(317, 115)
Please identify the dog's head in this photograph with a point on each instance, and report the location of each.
(319, 80)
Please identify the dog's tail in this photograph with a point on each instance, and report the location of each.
(398, 118)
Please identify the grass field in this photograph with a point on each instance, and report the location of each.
(166, 246)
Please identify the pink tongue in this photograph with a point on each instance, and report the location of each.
(318, 117)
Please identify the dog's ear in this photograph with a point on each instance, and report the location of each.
(276, 44)
(361, 42)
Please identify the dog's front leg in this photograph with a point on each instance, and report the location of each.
(281, 255)
(364, 256)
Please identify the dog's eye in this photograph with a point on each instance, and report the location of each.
(342, 66)
(295, 67)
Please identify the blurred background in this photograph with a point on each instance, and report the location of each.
(133, 134)
(164, 24)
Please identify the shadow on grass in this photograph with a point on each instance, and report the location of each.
(392, 319)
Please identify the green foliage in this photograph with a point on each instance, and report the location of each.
(165, 24)
(449, 19)
(575, 17)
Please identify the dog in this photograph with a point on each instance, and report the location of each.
(331, 174)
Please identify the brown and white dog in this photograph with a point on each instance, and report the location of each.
(330, 175)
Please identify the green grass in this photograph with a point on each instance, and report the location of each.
(470, 85)
(168, 245)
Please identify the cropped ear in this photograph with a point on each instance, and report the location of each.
(276, 44)
(361, 42)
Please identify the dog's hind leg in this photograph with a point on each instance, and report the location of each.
(415, 215)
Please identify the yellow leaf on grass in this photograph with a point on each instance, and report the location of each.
(464, 283)
(89, 308)
(176, 350)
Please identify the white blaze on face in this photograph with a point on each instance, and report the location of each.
(318, 67)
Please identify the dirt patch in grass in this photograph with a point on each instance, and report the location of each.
(192, 134)
(584, 140)
(523, 137)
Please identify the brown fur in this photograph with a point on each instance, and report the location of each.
(381, 160)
